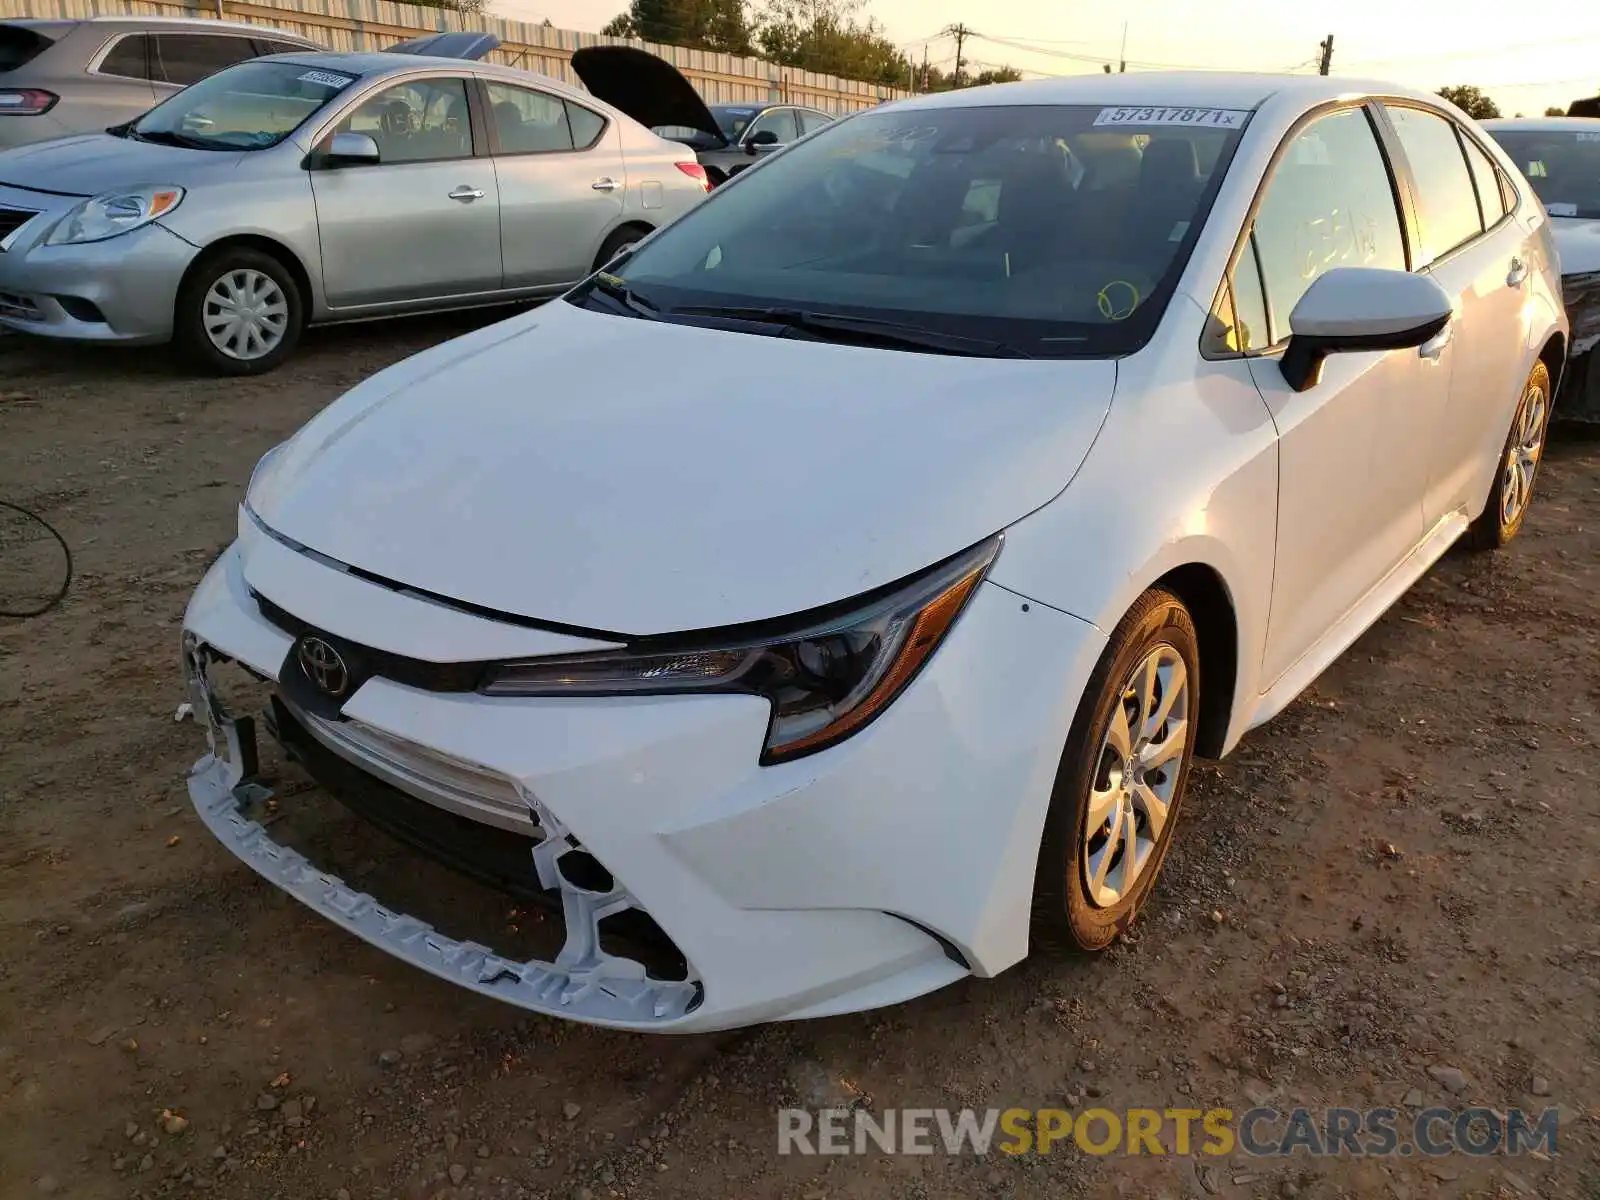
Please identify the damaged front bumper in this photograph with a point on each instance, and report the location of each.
(584, 981)
(1580, 391)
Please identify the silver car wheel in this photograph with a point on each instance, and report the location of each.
(245, 314)
(1136, 776)
(1522, 457)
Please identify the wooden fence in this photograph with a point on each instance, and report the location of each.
(374, 24)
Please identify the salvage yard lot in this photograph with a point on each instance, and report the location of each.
(1401, 872)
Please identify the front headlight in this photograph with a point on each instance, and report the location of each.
(113, 213)
(825, 681)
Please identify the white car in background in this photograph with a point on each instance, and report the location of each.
(1040, 477)
(1561, 158)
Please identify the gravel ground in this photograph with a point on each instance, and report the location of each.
(1387, 896)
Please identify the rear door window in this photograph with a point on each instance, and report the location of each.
(129, 58)
(1446, 202)
(185, 58)
(19, 45)
(811, 120)
(1491, 199)
(586, 125)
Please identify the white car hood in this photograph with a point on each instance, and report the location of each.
(1577, 244)
(640, 477)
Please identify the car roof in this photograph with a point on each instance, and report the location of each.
(136, 22)
(367, 63)
(1545, 124)
(1175, 89)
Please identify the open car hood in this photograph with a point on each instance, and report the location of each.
(649, 89)
(464, 45)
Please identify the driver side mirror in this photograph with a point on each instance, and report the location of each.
(1360, 308)
(765, 139)
(351, 150)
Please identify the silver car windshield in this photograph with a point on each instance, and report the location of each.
(250, 106)
(1057, 230)
(1562, 165)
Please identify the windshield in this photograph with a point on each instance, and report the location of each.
(250, 106)
(1053, 231)
(733, 120)
(1563, 166)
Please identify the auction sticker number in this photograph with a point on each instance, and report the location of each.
(1205, 118)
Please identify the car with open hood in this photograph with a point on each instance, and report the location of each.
(306, 188)
(726, 138)
(1079, 425)
(1560, 156)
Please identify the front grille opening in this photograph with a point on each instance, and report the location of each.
(636, 935)
(465, 878)
(584, 870)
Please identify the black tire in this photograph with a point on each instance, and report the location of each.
(189, 317)
(619, 241)
(1503, 513)
(1066, 913)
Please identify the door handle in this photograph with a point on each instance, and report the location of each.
(467, 194)
(1434, 346)
(1518, 272)
(605, 184)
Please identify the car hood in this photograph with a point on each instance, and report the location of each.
(589, 469)
(647, 88)
(91, 163)
(1578, 243)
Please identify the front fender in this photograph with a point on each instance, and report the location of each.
(1184, 472)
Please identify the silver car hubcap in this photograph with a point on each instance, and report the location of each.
(1522, 459)
(246, 314)
(1136, 775)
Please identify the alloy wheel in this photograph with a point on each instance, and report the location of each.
(1136, 776)
(1522, 456)
(245, 314)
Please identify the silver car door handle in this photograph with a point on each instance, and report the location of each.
(1518, 272)
(605, 184)
(1434, 346)
(465, 193)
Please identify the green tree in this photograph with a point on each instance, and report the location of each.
(465, 6)
(720, 25)
(830, 36)
(1471, 101)
(1555, 112)
(936, 80)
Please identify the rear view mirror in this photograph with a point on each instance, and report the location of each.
(351, 150)
(1360, 308)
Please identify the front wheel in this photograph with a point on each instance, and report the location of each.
(239, 312)
(1512, 490)
(1122, 778)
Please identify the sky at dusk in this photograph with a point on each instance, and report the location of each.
(1524, 62)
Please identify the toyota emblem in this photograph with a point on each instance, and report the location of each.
(323, 666)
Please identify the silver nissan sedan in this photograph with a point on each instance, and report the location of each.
(317, 187)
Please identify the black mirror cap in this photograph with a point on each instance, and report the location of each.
(1303, 356)
(766, 137)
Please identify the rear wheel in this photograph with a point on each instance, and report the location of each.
(1512, 490)
(239, 312)
(620, 241)
(1122, 778)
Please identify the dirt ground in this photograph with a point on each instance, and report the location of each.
(1389, 896)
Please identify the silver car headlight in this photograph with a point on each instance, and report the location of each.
(112, 214)
(825, 681)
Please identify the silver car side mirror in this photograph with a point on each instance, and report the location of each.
(352, 150)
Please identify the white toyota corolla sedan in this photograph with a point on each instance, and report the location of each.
(1067, 430)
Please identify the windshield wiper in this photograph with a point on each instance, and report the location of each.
(837, 327)
(613, 287)
(168, 137)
